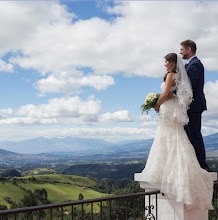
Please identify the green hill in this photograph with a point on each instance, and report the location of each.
(39, 171)
(60, 188)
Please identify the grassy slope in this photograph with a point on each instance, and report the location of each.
(39, 171)
(7, 189)
(60, 188)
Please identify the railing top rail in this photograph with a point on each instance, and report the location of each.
(78, 202)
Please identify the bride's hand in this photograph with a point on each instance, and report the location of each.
(156, 108)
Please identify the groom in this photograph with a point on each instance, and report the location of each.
(195, 71)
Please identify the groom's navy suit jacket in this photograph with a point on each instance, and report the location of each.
(195, 70)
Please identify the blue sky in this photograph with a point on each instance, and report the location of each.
(83, 68)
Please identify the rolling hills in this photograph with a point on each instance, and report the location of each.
(60, 188)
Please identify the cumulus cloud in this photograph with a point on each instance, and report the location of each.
(28, 121)
(22, 20)
(46, 37)
(115, 117)
(68, 84)
(71, 110)
(210, 124)
(62, 111)
(5, 112)
(50, 40)
(61, 107)
(7, 67)
(211, 93)
(148, 120)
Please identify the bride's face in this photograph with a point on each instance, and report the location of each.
(167, 64)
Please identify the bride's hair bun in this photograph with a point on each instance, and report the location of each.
(172, 58)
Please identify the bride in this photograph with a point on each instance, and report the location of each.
(172, 166)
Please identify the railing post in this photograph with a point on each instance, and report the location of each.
(118, 209)
(72, 212)
(110, 210)
(82, 211)
(101, 209)
(51, 214)
(92, 210)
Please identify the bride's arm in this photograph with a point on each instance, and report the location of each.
(165, 93)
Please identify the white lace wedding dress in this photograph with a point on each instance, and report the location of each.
(172, 166)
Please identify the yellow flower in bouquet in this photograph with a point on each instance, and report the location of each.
(150, 102)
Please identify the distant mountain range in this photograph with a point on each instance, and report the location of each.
(68, 144)
(45, 149)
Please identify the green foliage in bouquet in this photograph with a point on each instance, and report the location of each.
(150, 102)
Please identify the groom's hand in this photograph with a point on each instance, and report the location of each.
(170, 95)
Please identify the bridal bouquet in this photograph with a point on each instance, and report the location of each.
(150, 102)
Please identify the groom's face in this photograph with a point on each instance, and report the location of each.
(184, 52)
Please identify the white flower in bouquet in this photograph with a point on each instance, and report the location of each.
(150, 102)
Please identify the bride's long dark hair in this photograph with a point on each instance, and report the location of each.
(172, 58)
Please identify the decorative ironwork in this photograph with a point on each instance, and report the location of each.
(150, 215)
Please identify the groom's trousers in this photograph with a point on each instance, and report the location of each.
(193, 130)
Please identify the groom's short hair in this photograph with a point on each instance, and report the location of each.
(189, 43)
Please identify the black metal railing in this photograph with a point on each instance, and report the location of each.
(120, 207)
(213, 214)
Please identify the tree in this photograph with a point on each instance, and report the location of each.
(29, 200)
(11, 173)
(81, 197)
(42, 195)
(3, 207)
(134, 204)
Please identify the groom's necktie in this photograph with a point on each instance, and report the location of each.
(186, 66)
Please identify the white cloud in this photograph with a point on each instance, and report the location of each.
(110, 134)
(5, 112)
(45, 37)
(98, 82)
(134, 43)
(210, 117)
(68, 84)
(63, 111)
(63, 107)
(71, 110)
(28, 121)
(209, 128)
(148, 120)
(211, 93)
(119, 116)
(22, 20)
(7, 67)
